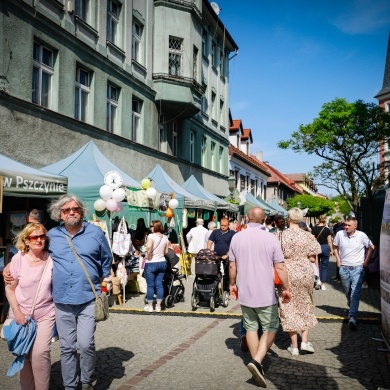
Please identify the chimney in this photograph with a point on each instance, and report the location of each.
(259, 156)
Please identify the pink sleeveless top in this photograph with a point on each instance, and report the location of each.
(28, 279)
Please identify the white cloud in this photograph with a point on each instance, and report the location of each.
(363, 16)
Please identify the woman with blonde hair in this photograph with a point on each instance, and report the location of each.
(27, 267)
(300, 249)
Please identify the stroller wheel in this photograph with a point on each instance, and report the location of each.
(194, 302)
(225, 299)
(212, 304)
(169, 301)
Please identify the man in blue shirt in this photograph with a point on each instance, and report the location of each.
(74, 300)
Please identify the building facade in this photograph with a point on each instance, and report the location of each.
(250, 173)
(146, 80)
(383, 97)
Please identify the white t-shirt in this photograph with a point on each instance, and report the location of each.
(351, 248)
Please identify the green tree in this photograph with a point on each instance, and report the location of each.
(346, 136)
(341, 205)
(315, 204)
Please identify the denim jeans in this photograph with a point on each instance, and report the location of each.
(76, 327)
(323, 262)
(154, 275)
(352, 279)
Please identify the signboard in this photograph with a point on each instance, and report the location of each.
(385, 269)
(27, 184)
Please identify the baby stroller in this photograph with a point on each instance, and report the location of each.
(208, 284)
(173, 285)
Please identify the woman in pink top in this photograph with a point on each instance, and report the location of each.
(26, 268)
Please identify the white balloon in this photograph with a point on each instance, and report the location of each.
(151, 192)
(173, 203)
(111, 204)
(99, 205)
(119, 208)
(119, 194)
(105, 192)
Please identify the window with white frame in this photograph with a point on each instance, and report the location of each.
(221, 112)
(213, 105)
(195, 63)
(174, 139)
(136, 119)
(192, 146)
(112, 107)
(212, 153)
(175, 56)
(137, 42)
(220, 157)
(213, 54)
(204, 102)
(82, 91)
(204, 43)
(82, 9)
(162, 135)
(221, 63)
(203, 151)
(43, 70)
(113, 12)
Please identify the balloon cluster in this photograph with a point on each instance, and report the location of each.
(147, 186)
(110, 199)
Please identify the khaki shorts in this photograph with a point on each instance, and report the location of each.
(267, 317)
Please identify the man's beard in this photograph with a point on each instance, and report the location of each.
(73, 222)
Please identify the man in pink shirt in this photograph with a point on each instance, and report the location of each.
(253, 255)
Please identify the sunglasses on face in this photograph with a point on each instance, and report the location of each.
(35, 238)
(71, 209)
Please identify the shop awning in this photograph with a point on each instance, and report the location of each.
(194, 187)
(86, 169)
(22, 180)
(163, 182)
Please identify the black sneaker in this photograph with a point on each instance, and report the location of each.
(256, 369)
(352, 324)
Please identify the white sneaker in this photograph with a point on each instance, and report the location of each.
(323, 287)
(293, 351)
(148, 308)
(158, 309)
(307, 347)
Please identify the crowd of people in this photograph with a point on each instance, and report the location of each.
(44, 281)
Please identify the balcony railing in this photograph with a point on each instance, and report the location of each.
(180, 79)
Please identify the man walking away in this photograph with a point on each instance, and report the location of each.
(253, 255)
(196, 241)
(349, 249)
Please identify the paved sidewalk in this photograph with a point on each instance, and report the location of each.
(182, 349)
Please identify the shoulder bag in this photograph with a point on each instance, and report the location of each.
(101, 301)
(121, 240)
(9, 320)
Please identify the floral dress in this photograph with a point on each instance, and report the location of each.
(298, 314)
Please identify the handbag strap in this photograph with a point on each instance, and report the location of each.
(320, 232)
(39, 287)
(157, 244)
(82, 264)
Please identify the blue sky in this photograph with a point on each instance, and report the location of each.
(294, 56)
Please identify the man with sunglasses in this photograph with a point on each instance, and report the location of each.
(72, 294)
(350, 250)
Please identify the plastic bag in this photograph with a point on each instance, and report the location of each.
(121, 240)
